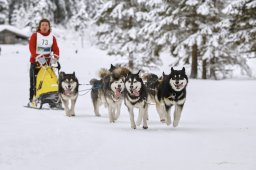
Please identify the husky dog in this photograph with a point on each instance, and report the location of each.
(170, 90)
(136, 97)
(68, 91)
(109, 91)
(152, 85)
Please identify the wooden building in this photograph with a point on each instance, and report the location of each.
(12, 35)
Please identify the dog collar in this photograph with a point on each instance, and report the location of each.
(174, 96)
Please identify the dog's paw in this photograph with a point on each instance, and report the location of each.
(162, 120)
(111, 121)
(116, 117)
(97, 115)
(69, 113)
(175, 123)
(133, 126)
(138, 123)
(145, 127)
(72, 113)
(168, 122)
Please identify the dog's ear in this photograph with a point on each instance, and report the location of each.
(172, 69)
(112, 67)
(164, 74)
(62, 74)
(183, 69)
(74, 74)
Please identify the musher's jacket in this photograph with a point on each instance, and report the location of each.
(42, 43)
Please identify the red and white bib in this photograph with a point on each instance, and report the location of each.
(44, 43)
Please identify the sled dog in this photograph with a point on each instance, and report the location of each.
(152, 83)
(136, 97)
(171, 91)
(108, 91)
(68, 91)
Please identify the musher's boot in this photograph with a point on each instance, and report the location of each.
(32, 103)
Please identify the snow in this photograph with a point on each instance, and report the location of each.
(251, 5)
(203, 9)
(216, 131)
(192, 2)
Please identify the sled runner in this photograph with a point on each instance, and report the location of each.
(47, 83)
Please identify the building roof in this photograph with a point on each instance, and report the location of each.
(14, 30)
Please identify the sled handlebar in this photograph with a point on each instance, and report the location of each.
(50, 56)
(42, 59)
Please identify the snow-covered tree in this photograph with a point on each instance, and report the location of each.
(195, 20)
(19, 17)
(120, 23)
(92, 7)
(80, 20)
(41, 9)
(242, 26)
(4, 11)
(61, 14)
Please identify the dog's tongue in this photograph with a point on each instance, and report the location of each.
(135, 92)
(178, 86)
(67, 92)
(118, 92)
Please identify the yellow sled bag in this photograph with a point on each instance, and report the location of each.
(47, 84)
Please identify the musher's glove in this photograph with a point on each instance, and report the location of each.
(54, 60)
(41, 60)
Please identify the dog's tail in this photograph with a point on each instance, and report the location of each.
(121, 72)
(93, 81)
(150, 77)
(104, 72)
(96, 84)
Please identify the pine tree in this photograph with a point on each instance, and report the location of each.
(4, 11)
(120, 32)
(19, 16)
(80, 20)
(242, 24)
(40, 9)
(92, 7)
(195, 20)
(61, 14)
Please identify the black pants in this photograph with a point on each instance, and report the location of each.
(32, 75)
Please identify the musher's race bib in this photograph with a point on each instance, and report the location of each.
(44, 44)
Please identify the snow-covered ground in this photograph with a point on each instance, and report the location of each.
(216, 132)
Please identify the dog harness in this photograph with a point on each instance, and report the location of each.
(175, 97)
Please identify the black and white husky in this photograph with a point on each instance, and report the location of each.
(108, 91)
(168, 91)
(68, 92)
(136, 97)
(172, 91)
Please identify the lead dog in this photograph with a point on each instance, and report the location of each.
(168, 91)
(173, 93)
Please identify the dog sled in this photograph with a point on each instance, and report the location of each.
(46, 88)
